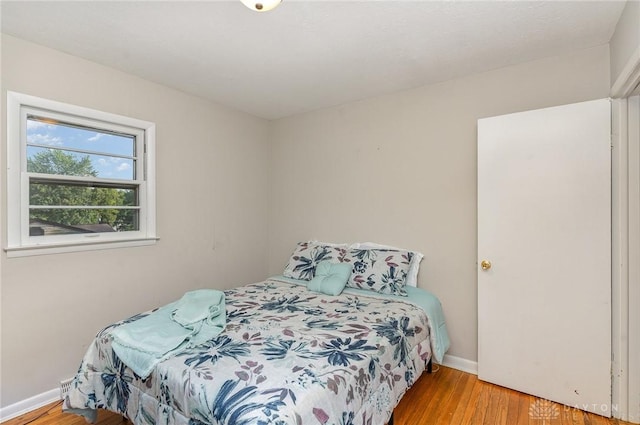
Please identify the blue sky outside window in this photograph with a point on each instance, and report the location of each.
(112, 155)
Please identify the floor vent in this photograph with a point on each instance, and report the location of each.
(65, 386)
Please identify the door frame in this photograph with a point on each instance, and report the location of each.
(625, 278)
(625, 206)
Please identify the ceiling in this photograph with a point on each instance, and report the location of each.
(307, 55)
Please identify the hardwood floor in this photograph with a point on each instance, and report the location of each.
(52, 415)
(447, 396)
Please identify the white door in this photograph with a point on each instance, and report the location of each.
(544, 224)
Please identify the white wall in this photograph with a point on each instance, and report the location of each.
(212, 181)
(401, 170)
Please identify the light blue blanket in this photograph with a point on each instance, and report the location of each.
(196, 318)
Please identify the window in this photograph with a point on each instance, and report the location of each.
(77, 178)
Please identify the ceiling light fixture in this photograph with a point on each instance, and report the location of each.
(261, 5)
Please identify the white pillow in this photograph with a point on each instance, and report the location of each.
(335, 245)
(414, 267)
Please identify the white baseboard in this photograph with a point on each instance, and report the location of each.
(32, 403)
(460, 364)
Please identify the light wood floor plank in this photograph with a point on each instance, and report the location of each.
(513, 408)
(444, 397)
(468, 397)
(448, 409)
(482, 404)
(503, 407)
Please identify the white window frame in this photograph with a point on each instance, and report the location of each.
(19, 242)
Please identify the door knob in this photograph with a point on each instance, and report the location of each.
(486, 265)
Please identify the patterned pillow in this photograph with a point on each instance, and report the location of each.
(414, 267)
(305, 258)
(380, 270)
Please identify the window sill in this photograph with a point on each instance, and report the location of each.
(31, 250)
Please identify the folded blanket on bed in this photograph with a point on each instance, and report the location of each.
(196, 318)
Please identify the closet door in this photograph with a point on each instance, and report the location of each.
(544, 246)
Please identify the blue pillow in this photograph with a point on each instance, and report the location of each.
(330, 278)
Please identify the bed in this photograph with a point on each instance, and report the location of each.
(288, 356)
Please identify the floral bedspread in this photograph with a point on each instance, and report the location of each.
(288, 356)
